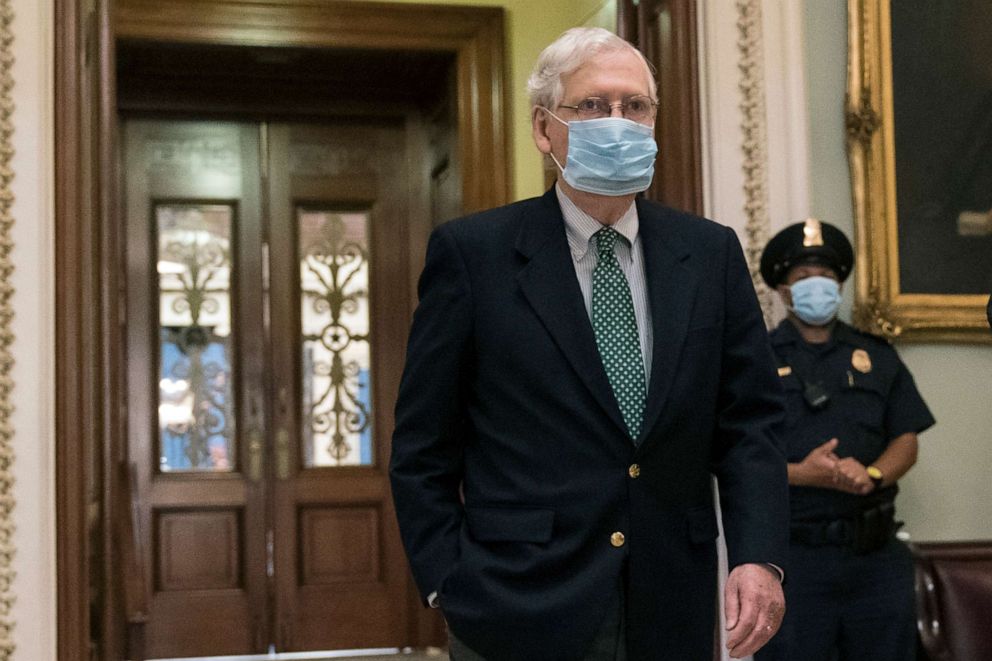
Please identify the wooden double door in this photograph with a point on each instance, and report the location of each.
(269, 289)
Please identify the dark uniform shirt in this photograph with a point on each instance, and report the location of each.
(872, 401)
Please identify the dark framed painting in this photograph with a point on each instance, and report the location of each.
(919, 122)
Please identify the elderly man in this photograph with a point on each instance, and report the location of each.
(853, 413)
(580, 364)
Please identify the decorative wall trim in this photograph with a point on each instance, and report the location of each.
(754, 141)
(7, 502)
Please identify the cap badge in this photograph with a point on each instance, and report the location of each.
(784, 370)
(861, 361)
(812, 233)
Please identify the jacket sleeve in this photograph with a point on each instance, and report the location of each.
(749, 462)
(426, 462)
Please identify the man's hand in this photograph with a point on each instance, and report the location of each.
(852, 477)
(754, 606)
(818, 468)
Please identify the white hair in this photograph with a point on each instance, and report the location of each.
(566, 54)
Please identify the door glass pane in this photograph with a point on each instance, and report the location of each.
(334, 282)
(196, 402)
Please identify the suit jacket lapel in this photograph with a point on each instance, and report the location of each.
(671, 282)
(548, 282)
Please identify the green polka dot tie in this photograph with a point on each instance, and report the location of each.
(615, 327)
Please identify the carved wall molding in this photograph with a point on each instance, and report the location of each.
(7, 502)
(754, 144)
(862, 121)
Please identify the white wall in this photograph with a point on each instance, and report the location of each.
(33, 348)
(604, 15)
(948, 495)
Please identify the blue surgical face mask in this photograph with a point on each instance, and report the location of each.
(608, 156)
(815, 300)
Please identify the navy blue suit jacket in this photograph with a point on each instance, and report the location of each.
(511, 463)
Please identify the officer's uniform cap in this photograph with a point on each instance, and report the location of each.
(809, 242)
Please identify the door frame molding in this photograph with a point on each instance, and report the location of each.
(666, 31)
(90, 414)
(473, 34)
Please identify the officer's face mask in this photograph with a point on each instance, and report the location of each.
(815, 299)
(608, 156)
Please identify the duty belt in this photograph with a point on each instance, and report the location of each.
(837, 532)
(869, 530)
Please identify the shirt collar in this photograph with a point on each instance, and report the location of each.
(787, 333)
(846, 334)
(580, 226)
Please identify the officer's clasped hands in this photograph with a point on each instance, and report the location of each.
(823, 468)
(819, 467)
(852, 477)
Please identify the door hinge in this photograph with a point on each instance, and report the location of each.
(282, 454)
(266, 303)
(263, 150)
(270, 560)
(256, 449)
(265, 269)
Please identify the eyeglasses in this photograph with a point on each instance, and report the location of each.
(635, 108)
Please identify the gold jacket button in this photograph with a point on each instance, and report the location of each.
(617, 539)
(634, 471)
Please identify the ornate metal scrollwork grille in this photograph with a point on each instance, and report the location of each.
(196, 416)
(334, 272)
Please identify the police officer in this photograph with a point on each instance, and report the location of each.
(853, 415)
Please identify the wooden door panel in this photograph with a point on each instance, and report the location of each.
(324, 561)
(224, 491)
(196, 406)
(279, 528)
(181, 624)
(220, 537)
(342, 579)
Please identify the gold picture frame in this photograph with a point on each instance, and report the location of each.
(882, 305)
